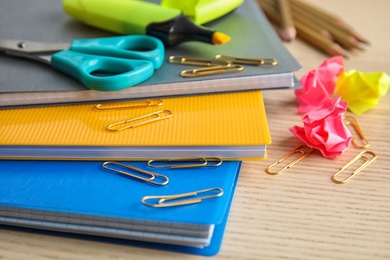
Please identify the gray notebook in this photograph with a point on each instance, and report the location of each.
(28, 82)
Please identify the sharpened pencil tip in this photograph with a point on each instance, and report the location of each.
(364, 41)
(220, 38)
(288, 34)
(337, 50)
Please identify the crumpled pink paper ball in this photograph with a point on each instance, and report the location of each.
(361, 90)
(324, 129)
(319, 84)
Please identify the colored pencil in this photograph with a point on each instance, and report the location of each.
(287, 31)
(306, 33)
(328, 17)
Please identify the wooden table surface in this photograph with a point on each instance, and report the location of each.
(300, 214)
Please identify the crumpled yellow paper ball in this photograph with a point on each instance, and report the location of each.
(361, 90)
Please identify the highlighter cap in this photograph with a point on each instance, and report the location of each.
(75, 9)
(203, 11)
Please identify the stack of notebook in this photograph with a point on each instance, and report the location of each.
(55, 137)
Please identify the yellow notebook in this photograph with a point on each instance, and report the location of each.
(228, 125)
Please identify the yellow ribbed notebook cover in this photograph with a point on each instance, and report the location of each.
(227, 119)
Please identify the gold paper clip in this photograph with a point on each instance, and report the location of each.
(133, 104)
(145, 176)
(145, 119)
(351, 121)
(184, 163)
(180, 199)
(196, 61)
(213, 70)
(300, 149)
(247, 61)
(360, 156)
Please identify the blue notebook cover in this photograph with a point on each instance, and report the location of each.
(84, 198)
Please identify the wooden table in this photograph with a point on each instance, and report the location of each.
(300, 214)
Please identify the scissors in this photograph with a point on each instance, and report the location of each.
(103, 64)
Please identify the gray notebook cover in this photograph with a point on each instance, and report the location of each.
(28, 82)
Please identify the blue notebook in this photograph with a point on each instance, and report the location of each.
(84, 198)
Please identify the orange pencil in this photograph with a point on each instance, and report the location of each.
(287, 31)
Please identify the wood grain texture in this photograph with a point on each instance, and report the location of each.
(300, 214)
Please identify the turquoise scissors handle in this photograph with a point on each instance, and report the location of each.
(102, 73)
(114, 63)
(140, 47)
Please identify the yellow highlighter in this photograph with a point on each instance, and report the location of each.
(140, 17)
(203, 11)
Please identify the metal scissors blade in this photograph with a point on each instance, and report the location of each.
(32, 47)
(32, 50)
